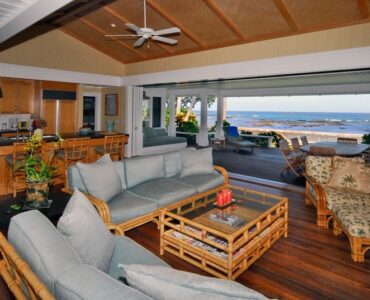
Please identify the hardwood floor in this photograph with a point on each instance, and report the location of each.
(309, 264)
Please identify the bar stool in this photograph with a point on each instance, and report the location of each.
(114, 145)
(18, 156)
(74, 150)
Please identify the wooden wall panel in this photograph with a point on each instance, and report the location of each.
(49, 114)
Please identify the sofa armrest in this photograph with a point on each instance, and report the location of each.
(116, 230)
(319, 191)
(100, 205)
(223, 172)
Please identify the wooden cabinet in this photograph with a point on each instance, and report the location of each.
(18, 95)
(60, 115)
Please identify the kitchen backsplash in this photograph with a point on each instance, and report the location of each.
(10, 121)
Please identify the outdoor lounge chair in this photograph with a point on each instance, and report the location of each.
(294, 160)
(234, 138)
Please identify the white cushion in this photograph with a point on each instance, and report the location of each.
(195, 162)
(86, 232)
(101, 178)
(164, 283)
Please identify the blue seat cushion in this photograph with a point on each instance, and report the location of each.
(163, 191)
(233, 131)
(128, 252)
(126, 205)
(202, 182)
(99, 150)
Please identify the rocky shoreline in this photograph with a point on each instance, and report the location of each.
(312, 136)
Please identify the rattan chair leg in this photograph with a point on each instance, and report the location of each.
(357, 253)
(336, 228)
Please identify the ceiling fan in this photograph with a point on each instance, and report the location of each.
(145, 33)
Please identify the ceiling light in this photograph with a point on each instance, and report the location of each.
(113, 25)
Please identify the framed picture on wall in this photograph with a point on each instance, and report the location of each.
(111, 105)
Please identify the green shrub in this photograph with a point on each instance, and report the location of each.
(366, 138)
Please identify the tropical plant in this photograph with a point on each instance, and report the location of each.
(276, 137)
(366, 138)
(35, 168)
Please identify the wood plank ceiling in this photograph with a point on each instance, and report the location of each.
(206, 24)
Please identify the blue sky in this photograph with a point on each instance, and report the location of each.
(325, 103)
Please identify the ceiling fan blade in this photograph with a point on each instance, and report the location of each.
(167, 31)
(165, 40)
(139, 42)
(119, 35)
(133, 27)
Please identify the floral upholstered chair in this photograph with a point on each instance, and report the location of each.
(339, 188)
(324, 191)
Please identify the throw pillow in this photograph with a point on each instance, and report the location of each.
(86, 232)
(196, 162)
(350, 175)
(164, 283)
(319, 168)
(101, 178)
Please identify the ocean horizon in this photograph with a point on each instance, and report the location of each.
(358, 123)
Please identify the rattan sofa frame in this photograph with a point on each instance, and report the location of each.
(104, 212)
(323, 214)
(359, 245)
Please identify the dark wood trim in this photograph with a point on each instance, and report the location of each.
(175, 22)
(225, 19)
(286, 14)
(363, 6)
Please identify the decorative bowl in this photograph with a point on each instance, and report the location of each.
(85, 130)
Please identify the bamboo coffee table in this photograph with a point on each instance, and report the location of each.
(190, 232)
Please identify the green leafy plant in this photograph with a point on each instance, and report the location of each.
(366, 138)
(276, 137)
(35, 168)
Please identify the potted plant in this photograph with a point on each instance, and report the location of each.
(38, 124)
(38, 172)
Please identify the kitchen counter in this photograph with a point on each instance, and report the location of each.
(97, 139)
(5, 141)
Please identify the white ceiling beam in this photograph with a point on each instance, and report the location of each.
(31, 15)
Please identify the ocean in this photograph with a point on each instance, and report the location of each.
(305, 121)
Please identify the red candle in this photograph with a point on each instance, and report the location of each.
(229, 195)
(220, 199)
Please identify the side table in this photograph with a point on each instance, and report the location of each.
(60, 200)
(218, 141)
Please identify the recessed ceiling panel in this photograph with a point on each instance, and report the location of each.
(254, 17)
(316, 13)
(199, 19)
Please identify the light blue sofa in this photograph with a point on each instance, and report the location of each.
(51, 267)
(57, 265)
(149, 183)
